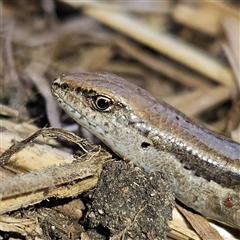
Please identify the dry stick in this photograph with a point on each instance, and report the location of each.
(162, 66)
(164, 43)
(34, 156)
(61, 181)
(17, 147)
(24, 129)
(46, 179)
(53, 132)
(200, 225)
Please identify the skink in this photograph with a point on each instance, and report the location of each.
(205, 166)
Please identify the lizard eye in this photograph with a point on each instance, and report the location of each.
(102, 103)
(65, 87)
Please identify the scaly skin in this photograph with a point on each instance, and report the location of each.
(205, 166)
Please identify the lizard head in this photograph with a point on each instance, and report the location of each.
(108, 106)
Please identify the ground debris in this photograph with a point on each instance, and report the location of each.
(198, 73)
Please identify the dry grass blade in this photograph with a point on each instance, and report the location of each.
(7, 111)
(162, 66)
(210, 12)
(196, 102)
(231, 45)
(164, 43)
(231, 48)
